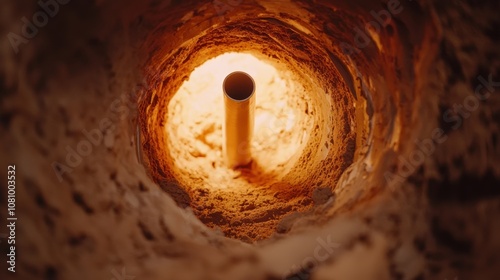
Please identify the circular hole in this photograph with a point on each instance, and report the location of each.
(239, 86)
(298, 108)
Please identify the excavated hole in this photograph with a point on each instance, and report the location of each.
(305, 129)
(385, 96)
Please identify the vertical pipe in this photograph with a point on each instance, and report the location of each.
(239, 103)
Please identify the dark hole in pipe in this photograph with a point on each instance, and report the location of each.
(239, 86)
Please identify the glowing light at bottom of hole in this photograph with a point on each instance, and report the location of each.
(195, 117)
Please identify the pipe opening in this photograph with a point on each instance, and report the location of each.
(239, 86)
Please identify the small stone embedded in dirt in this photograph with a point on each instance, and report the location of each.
(321, 195)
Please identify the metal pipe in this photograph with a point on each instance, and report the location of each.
(239, 103)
